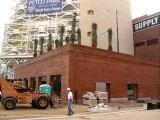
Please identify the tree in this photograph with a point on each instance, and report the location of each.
(62, 30)
(67, 39)
(110, 33)
(73, 28)
(49, 44)
(79, 35)
(35, 48)
(41, 41)
(94, 35)
(57, 43)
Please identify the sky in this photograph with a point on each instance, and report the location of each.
(139, 8)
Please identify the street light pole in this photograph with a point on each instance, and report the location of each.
(117, 31)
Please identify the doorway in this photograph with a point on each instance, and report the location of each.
(42, 80)
(26, 82)
(55, 83)
(108, 89)
(33, 83)
(104, 87)
(132, 90)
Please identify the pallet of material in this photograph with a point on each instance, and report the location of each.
(101, 95)
(90, 102)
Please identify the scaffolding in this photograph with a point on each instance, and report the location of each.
(19, 35)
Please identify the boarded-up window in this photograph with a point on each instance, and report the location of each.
(139, 44)
(90, 12)
(152, 41)
(100, 86)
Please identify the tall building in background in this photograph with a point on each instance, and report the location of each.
(107, 14)
(32, 20)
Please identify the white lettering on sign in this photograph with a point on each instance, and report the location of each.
(39, 2)
(147, 23)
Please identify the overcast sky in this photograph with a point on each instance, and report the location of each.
(139, 8)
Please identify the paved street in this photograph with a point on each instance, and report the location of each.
(117, 115)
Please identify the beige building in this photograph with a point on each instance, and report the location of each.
(103, 13)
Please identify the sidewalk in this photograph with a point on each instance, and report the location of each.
(125, 114)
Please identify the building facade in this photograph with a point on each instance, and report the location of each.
(82, 68)
(147, 36)
(24, 28)
(107, 14)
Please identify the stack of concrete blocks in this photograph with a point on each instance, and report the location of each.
(102, 97)
(89, 99)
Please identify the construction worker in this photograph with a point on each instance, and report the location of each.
(70, 99)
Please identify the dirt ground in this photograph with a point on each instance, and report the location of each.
(28, 110)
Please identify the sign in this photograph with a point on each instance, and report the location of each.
(43, 6)
(146, 23)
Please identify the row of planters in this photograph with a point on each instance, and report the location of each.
(94, 36)
(75, 35)
(59, 42)
(151, 106)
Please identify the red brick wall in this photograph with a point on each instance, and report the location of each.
(89, 65)
(52, 63)
(81, 67)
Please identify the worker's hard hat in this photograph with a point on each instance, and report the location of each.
(68, 88)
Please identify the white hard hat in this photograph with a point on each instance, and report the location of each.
(68, 88)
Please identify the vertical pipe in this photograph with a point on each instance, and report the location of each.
(159, 64)
(117, 31)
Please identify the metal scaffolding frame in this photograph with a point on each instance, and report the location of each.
(19, 35)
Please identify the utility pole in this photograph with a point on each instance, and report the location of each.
(117, 31)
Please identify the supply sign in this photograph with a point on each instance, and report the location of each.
(146, 23)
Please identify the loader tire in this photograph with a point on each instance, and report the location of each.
(9, 103)
(42, 102)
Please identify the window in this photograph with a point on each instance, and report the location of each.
(130, 86)
(152, 41)
(139, 44)
(90, 12)
(100, 86)
(89, 33)
(42, 80)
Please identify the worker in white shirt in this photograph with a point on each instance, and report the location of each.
(70, 99)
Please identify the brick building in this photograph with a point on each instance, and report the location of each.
(84, 69)
(147, 36)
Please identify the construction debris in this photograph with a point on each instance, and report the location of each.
(89, 99)
(89, 95)
(92, 99)
(100, 108)
(102, 97)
